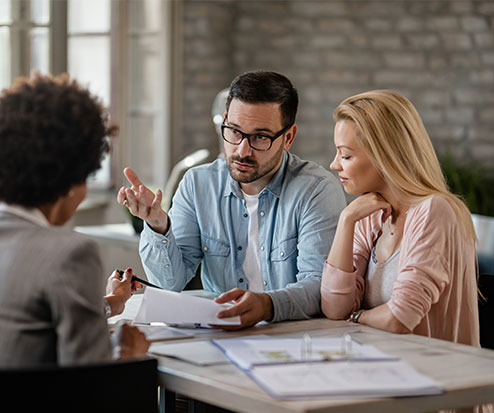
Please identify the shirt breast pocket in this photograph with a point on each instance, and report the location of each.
(286, 249)
(212, 247)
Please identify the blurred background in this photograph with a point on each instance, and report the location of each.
(159, 64)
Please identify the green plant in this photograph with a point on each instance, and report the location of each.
(472, 183)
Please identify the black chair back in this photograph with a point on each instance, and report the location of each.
(120, 386)
(486, 310)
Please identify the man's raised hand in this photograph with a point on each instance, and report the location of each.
(142, 203)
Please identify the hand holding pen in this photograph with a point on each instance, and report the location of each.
(139, 280)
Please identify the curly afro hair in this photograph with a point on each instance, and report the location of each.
(53, 135)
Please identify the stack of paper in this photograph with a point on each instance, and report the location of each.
(249, 352)
(369, 379)
(332, 366)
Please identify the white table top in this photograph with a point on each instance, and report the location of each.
(465, 372)
(119, 234)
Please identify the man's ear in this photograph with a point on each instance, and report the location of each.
(290, 136)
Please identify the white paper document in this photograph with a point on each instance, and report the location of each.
(202, 353)
(177, 308)
(160, 333)
(249, 352)
(368, 379)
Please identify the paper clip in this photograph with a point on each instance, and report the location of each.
(306, 348)
(346, 346)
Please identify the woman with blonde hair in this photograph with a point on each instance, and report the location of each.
(403, 258)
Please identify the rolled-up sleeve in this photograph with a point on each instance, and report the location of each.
(341, 291)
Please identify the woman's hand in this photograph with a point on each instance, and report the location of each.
(341, 254)
(119, 289)
(130, 341)
(366, 205)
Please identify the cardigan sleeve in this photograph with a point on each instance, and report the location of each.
(425, 272)
(342, 291)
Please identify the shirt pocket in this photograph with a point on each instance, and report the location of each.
(284, 250)
(214, 247)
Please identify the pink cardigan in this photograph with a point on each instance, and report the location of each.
(435, 293)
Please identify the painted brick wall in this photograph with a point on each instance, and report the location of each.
(440, 54)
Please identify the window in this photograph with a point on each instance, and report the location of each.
(24, 38)
(118, 49)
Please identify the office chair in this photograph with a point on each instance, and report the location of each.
(486, 310)
(120, 386)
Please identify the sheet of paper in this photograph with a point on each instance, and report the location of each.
(248, 352)
(160, 333)
(369, 379)
(175, 308)
(202, 353)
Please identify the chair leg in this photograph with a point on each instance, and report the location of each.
(167, 401)
(195, 406)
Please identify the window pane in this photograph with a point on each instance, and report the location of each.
(5, 16)
(101, 178)
(4, 57)
(89, 63)
(40, 11)
(145, 15)
(141, 129)
(89, 16)
(145, 70)
(40, 49)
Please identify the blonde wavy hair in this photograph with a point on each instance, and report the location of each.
(393, 135)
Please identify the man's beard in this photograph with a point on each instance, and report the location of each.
(257, 171)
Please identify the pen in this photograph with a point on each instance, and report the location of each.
(134, 278)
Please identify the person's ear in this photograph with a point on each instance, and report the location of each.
(290, 136)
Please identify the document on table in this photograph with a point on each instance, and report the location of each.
(202, 353)
(177, 308)
(249, 352)
(160, 333)
(349, 378)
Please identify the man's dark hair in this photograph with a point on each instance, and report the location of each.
(53, 135)
(266, 87)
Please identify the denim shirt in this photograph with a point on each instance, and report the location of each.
(298, 213)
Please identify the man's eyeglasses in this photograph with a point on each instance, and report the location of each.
(257, 141)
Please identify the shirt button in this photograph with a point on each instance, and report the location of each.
(164, 241)
(262, 248)
(265, 283)
(239, 248)
(205, 248)
(282, 254)
(246, 215)
(240, 280)
(166, 266)
(261, 213)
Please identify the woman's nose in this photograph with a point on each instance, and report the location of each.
(335, 165)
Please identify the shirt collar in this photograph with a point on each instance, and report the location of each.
(274, 186)
(33, 215)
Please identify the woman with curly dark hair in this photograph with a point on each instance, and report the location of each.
(53, 135)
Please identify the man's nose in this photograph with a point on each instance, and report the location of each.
(244, 148)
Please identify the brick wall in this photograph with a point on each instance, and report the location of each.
(440, 54)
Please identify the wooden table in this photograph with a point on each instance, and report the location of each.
(466, 373)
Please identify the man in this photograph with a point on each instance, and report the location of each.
(260, 222)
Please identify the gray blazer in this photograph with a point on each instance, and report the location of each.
(51, 296)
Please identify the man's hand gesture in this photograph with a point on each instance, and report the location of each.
(142, 203)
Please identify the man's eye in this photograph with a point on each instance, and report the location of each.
(261, 138)
(346, 158)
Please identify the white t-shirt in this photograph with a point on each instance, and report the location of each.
(251, 266)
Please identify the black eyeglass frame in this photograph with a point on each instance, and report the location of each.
(249, 135)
